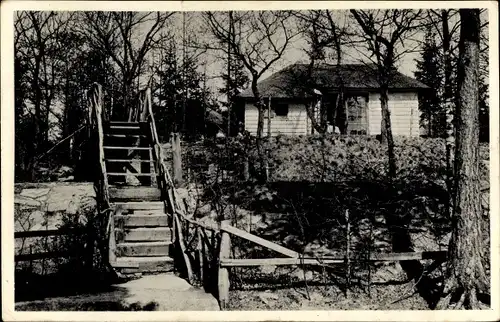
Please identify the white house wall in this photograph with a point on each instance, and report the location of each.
(405, 116)
(295, 123)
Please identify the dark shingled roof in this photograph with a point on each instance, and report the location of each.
(289, 81)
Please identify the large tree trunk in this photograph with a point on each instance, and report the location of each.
(466, 276)
(387, 130)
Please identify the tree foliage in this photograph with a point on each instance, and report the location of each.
(430, 72)
(179, 91)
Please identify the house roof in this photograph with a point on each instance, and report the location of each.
(290, 81)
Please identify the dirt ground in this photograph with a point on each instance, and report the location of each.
(380, 297)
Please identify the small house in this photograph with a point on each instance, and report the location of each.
(297, 93)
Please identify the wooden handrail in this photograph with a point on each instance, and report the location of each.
(101, 185)
(95, 102)
(164, 180)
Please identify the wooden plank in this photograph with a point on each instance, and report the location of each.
(126, 148)
(150, 212)
(138, 205)
(129, 174)
(332, 260)
(407, 256)
(135, 193)
(114, 135)
(277, 261)
(143, 249)
(125, 127)
(128, 160)
(47, 232)
(260, 241)
(147, 234)
(145, 264)
(143, 220)
(123, 123)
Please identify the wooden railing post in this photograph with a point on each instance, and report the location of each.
(180, 240)
(223, 278)
(201, 256)
(176, 159)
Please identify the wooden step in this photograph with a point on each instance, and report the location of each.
(145, 264)
(135, 193)
(140, 205)
(128, 160)
(146, 234)
(143, 249)
(143, 148)
(149, 212)
(122, 123)
(117, 174)
(123, 129)
(151, 220)
(114, 135)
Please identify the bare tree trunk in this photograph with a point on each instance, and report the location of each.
(466, 276)
(340, 105)
(323, 117)
(341, 112)
(386, 130)
(310, 109)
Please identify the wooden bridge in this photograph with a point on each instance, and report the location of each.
(146, 225)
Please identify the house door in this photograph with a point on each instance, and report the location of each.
(357, 120)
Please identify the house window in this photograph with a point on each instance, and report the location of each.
(357, 121)
(280, 109)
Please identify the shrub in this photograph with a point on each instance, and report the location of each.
(326, 158)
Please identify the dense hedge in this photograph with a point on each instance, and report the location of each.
(326, 158)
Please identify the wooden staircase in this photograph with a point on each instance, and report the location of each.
(141, 237)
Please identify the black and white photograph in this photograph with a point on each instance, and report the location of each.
(242, 156)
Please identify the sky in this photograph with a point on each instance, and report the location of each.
(294, 54)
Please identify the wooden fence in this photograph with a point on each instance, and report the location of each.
(45, 233)
(209, 249)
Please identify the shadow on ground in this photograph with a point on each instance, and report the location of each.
(73, 292)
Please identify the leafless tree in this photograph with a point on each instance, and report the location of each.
(387, 35)
(258, 39)
(127, 38)
(327, 34)
(38, 46)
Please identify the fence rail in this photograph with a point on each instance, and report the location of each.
(45, 233)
